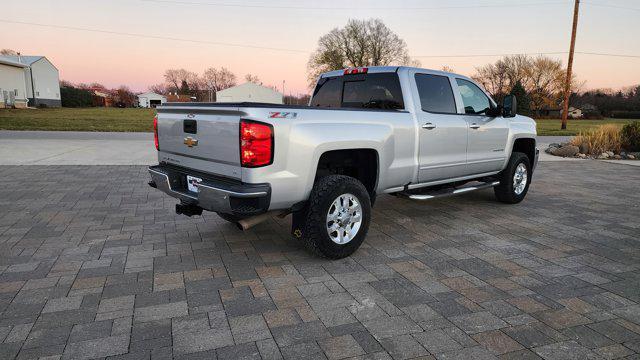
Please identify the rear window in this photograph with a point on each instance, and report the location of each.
(365, 91)
(435, 93)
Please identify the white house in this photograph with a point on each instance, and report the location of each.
(42, 79)
(151, 100)
(249, 92)
(13, 88)
(574, 113)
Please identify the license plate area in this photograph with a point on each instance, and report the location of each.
(193, 183)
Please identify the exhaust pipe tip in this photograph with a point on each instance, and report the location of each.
(248, 223)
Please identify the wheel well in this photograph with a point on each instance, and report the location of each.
(526, 146)
(361, 164)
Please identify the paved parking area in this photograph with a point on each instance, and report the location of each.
(94, 264)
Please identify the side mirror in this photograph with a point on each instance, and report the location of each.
(509, 106)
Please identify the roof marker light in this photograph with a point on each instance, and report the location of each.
(354, 71)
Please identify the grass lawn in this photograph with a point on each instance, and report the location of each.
(77, 119)
(551, 127)
(114, 119)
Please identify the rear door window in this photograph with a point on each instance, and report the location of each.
(436, 95)
(366, 91)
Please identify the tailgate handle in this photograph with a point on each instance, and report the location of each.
(190, 126)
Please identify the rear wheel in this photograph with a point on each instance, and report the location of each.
(338, 216)
(514, 179)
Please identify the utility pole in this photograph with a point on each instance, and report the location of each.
(283, 96)
(567, 85)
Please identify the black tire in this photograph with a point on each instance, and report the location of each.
(505, 192)
(315, 234)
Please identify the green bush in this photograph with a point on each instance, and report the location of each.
(631, 136)
(74, 97)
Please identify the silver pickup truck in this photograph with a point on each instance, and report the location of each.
(405, 131)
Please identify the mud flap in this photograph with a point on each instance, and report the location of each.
(297, 222)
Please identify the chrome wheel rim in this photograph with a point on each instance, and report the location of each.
(344, 219)
(520, 179)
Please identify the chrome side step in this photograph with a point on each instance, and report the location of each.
(428, 195)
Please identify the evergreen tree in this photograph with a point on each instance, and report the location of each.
(184, 88)
(524, 101)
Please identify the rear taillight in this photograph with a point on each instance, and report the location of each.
(155, 132)
(256, 143)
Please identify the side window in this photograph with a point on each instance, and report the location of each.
(327, 93)
(474, 100)
(435, 93)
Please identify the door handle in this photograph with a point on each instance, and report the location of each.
(474, 126)
(428, 126)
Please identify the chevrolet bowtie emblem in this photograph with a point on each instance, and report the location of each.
(190, 142)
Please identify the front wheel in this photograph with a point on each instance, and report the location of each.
(338, 216)
(514, 179)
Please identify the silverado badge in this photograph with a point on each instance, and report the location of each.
(190, 142)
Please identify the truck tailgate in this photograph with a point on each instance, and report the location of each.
(200, 138)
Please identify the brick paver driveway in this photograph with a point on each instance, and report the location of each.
(94, 263)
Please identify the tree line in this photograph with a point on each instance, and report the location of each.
(202, 87)
(537, 81)
(95, 94)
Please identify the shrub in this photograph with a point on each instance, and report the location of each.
(631, 136)
(74, 97)
(524, 101)
(625, 114)
(604, 138)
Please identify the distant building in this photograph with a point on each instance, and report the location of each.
(13, 88)
(151, 100)
(574, 113)
(41, 78)
(249, 92)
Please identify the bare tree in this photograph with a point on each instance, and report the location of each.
(252, 79)
(542, 77)
(66, 83)
(214, 80)
(161, 89)
(178, 78)
(359, 43)
(8, 52)
(123, 97)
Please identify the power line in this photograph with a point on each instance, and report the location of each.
(490, 55)
(527, 53)
(606, 54)
(294, 7)
(610, 6)
(152, 36)
(158, 37)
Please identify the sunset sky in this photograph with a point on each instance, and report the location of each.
(276, 37)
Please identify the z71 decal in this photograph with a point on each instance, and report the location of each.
(283, 115)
